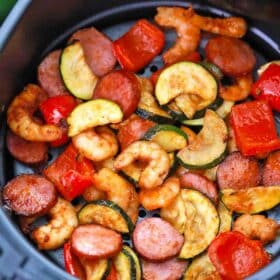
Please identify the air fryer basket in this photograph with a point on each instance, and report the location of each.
(114, 22)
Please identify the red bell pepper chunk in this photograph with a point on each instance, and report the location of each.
(235, 256)
(136, 48)
(267, 87)
(55, 110)
(72, 263)
(71, 173)
(254, 128)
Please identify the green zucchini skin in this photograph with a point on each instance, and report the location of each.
(145, 114)
(177, 115)
(213, 69)
(91, 208)
(125, 266)
(136, 261)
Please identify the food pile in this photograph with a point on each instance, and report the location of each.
(176, 142)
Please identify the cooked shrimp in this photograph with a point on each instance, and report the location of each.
(239, 91)
(160, 196)
(133, 205)
(257, 227)
(20, 116)
(60, 227)
(116, 188)
(188, 35)
(158, 162)
(96, 144)
(109, 163)
(92, 193)
(232, 26)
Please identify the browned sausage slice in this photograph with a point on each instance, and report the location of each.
(98, 50)
(156, 240)
(30, 195)
(200, 183)
(172, 269)
(95, 242)
(271, 170)
(238, 172)
(26, 151)
(121, 87)
(233, 56)
(49, 75)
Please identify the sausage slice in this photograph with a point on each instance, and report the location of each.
(271, 170)
(172, 269)
(30, 195)
(238, 172)
(28, 152)
(49, 75)
(121, 87)
(97, 49)
(200, 183)
(233, 56)
(95, 242)
(156, 240)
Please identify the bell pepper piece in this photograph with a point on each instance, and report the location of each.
(254, 128)
(72, 263)
(235, 256)
(267, 87)
(136, 48)
(71, 173)
(55, 110)
(113, 273)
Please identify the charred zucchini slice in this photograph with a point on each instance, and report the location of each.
(136, 261)
(225, 217)
(76, 74)
(252, 200)
(97, 269)
(170, 137)
(209, 147)
(107, 214)
(125, 266)
(174, 111)
(202, 223)
(190, 84)
(93, 113)
(213, 69)
(201, 268)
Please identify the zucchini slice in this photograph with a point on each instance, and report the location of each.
(76, 74)
(190, 84)
(93, 113)
(170, 137)
(125, 266)
(174, 111)
(107, 214)
(209, 147)
(194, 122)
(201, 268)
(136, 260)
(252, 200)
(133, 171)
(97, 269)
(225, 217)
(174, 213)
(213, 69)
(202, 224)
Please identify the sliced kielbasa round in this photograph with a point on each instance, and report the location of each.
(49, 75)
(271, 170)
(156, 240)
(28, 152)
(122, 87)
(200, 183)
(30, 195)
(172, 269)
(238, 172)
(233, 56)
(95, 242)
(97, 49)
